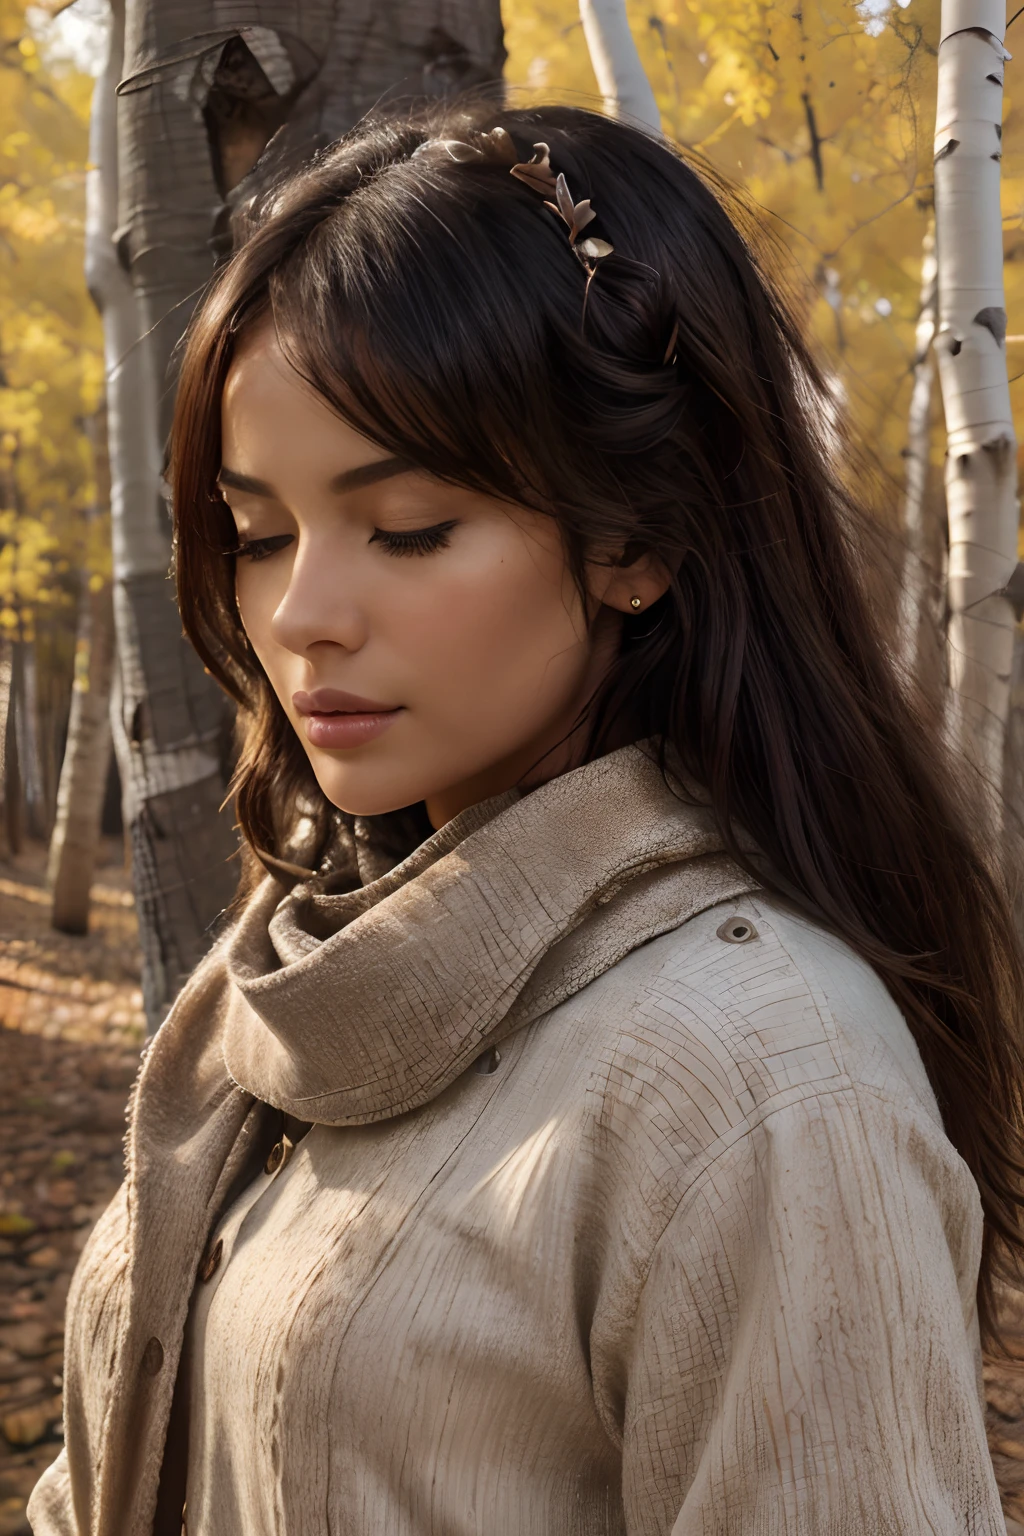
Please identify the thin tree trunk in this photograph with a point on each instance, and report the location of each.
(917, 579)
(621, 77)
(981, 478)
(26, 724)
(205, 87)
(83, 778)
(9, 786)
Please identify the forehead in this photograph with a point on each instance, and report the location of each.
(269, 414)
(261, 374)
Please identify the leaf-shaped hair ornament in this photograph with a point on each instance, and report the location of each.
(595, 248)
(576, 215)
(538, 174)
(484, 146)
(455, 149)
(496, 145)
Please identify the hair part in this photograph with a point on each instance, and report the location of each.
(436, 307)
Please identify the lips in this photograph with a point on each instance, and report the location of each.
(334, 701)
(337, 721)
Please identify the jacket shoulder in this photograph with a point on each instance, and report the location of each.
(746, 1008)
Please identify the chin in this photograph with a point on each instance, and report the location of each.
(370, 790)
(367, 801)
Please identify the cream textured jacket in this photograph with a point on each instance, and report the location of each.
(688, 1253)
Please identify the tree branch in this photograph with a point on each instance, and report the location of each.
(812, 129)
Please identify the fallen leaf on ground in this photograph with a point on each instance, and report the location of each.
(44, 1258)
(1013, 1448)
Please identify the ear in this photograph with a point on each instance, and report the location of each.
(616, 586)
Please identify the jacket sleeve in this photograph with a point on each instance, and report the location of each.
(806, 1359)
(50, 1509)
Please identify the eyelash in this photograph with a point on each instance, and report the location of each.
(260, 549)
(419, 541)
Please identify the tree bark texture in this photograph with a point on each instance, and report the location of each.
(168, 724)
(204, 88)
(83, 777)
(981, 479)
(26, 726)
(916, 605)
(618, 69)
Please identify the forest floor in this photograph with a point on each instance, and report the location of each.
(71, 1028)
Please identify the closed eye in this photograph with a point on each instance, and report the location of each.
(417, 541)
(260, 549)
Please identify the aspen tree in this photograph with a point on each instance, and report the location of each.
(75, 840)
(200, 97)
(981, 478)
(621, 77)
(916, 577)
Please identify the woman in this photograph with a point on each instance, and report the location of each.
(602, 1113)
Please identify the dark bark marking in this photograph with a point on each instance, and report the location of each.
(241, 112)
(993, 319)
(1014, 591)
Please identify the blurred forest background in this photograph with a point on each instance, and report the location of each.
(821, 113)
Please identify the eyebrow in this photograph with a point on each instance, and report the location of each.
(348, 480)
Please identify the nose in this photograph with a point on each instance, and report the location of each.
(320, 604)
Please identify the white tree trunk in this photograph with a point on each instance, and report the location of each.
(917, 579)
(165, 774)
(83, 775)
(621, 77)
(9, 785)
(981, 478)
(206, 84)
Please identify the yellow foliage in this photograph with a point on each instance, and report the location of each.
(823, 115)
(51, 361)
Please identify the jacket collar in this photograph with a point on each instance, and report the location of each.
(351, 1007)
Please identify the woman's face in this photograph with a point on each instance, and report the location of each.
(426, 642)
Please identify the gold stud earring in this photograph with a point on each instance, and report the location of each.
(634, 602)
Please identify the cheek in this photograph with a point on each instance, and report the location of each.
(501, 632)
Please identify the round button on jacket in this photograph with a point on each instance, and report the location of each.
(737, 930)
(153, 1357)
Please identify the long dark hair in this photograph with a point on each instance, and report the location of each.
(435, 304)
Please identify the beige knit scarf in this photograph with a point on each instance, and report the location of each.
(353, 1006)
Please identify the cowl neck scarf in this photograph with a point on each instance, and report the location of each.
(356, 1005)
